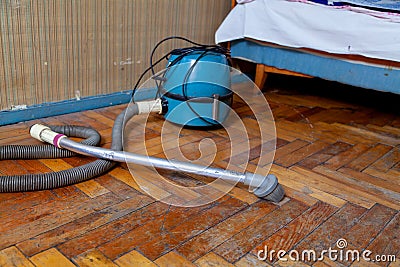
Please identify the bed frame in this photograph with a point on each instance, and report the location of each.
(381, 75)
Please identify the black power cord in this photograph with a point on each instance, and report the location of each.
(201, 49)
(181, 51)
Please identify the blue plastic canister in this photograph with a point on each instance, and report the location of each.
(197, 88)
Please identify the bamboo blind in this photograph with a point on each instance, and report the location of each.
(52, 50)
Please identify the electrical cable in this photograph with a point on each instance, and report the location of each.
(184, 90)
(203, 49)
(180, 51)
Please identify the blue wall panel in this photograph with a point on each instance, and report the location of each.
(70, 106)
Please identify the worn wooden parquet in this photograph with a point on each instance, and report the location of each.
(338, 159)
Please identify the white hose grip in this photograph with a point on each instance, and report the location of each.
(150, 106)
(45, 134)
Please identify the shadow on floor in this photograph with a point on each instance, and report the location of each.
(287, 85)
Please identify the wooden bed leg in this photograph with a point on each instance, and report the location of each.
(261, 76)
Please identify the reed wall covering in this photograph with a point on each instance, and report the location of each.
(54, 50)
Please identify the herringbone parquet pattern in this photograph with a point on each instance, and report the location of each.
(338, 160)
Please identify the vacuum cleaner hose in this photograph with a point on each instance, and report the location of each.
(43, 181)
(266, 187)
(92, 138)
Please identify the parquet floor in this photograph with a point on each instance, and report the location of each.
(338, 158)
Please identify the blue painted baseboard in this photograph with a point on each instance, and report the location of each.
(86, 103)
(70, 106)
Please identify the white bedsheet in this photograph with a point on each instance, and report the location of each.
(302, 25)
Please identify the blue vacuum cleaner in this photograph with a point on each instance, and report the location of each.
(195, 86)
(195, 82)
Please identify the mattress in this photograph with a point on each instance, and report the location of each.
(338, 30)
(390, 5)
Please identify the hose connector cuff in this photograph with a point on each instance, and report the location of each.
(145, 107)
(45, 134)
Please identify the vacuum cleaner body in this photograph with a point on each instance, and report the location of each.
(196, 85)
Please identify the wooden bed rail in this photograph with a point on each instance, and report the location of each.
(263, 70)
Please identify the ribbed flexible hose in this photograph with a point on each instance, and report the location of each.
(49, 151)
(33, 182)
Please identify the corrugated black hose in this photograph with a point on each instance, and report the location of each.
(43, 181)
